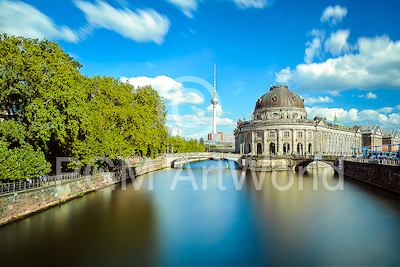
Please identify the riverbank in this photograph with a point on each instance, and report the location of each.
(16, 205)
(383, 176)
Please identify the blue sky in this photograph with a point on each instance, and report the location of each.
(343, 57)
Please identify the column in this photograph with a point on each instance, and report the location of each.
(292, 145)
(279, 143)
(305, 147)
(252, 143)
(266, 145)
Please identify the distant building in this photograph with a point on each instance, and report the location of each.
(372, 135)
(280, 126)
(174, 131)
(390, 137)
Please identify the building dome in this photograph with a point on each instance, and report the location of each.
(336, 122)
(279, 96)
(279, 103)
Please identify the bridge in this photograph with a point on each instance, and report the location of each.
(177, 159)
(256, 162)
(303, 161)
(294, 162)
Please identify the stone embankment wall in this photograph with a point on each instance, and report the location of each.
(20, 204)
(384, 176)
(140, 170)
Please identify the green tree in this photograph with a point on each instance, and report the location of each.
(52, 110)
(19, 160)
(41, 90)
(182, 146)
(121, 121)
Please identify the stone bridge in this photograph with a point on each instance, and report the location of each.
(297, 162)
(176, 159)
(269, 163)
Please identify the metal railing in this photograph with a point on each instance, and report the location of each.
(390, 162)
(43, 181)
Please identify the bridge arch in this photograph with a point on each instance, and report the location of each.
(189, 158)
(298, 164)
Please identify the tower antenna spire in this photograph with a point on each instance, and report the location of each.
(215, 77)
(214, 101)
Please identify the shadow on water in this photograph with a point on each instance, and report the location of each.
(102, 228)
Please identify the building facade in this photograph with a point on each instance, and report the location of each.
(175, 131)
(279, 126)
(391, 139)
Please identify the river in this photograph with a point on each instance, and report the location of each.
(216, 225)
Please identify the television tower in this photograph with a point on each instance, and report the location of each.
(214, 101)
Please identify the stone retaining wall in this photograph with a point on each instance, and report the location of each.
(22, 203)
(384, 176)
(140, 170)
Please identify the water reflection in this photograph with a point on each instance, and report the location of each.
(356, 226)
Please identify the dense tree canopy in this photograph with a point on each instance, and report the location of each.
(182, 146)
(49, 109)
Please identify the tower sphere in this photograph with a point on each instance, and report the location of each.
(214, 100)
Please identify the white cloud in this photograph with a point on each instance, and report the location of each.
(333, 14)
(314, 47)
(337, 42)
(253, 3)
(140, 26)
(219, 110)
(187, 6)
(356, 117)
(320, 99)
(375, 65)
(385, 110)
(21, 19)
(334, 93)
(371, 95)
(201, 117)
(173, 92)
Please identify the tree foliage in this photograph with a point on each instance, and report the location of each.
(53, 110)
(19, 160)
(182, 146)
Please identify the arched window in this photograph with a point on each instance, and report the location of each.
(272, 149)
(259, 149)
(300, 149)
(286, 148)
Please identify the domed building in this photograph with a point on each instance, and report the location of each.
(279, 126)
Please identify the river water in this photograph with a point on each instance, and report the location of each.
(154, 225)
